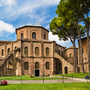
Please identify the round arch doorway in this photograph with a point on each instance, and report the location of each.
(66, 70)
(37, 71)
(58, 65)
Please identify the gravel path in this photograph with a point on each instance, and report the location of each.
(68, 80)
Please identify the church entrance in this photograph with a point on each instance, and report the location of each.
(36, 73)
(58, 65)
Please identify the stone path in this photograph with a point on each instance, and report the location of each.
(68, 80)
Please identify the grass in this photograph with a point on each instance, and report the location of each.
(75, 75)
(54, 86)
(27, 78)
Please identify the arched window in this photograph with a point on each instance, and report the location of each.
(33, 35)
(36, 65)
(2, 52)
(66, 70)
(26, 50)
(15, 47)
(8, 52)
(44, 36)
(47, 65)
(82, 50)
(21, 36)
(70, 55)
(10, 65)
(47, 51)
(62, 53)
(59, 52)
(36, 50)
(26, 66)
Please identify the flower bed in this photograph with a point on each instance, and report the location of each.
(3, 82)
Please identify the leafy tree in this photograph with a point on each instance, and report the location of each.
(66, 30)
(81, 9)
(75, 11)
(71, 13)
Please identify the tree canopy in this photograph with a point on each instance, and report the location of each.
(67, 24)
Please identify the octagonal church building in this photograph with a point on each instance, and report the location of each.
(33, 54)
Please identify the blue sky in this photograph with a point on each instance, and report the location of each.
(17, 13)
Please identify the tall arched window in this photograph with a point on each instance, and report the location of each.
(21, 36)
(8, 52)
(47, 65)
(44, 36)
(36, 50)
(82, 50)
(59, 52)
(2, 52)
(26, 66)
(33, 35)
(36, 65)
(70, 55)
(47, 51)
(26, 50)
(62, 53)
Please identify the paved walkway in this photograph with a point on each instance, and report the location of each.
(68, 80)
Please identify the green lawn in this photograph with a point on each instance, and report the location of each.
(75, 75)
(54, 86)
(27, 78)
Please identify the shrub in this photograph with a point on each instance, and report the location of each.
(3, 82)
(31, 76)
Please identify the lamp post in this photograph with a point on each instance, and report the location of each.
(21, 61)
(43, 78)
(43, 70)
(21, 72)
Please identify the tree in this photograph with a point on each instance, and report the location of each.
(82, 9)
(73, 10)
(66, 30)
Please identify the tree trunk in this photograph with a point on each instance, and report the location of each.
(81, 54)
(75, 59)
(88, 46)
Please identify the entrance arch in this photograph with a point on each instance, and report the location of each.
(66, 70)
(58, 66)
(37, 71)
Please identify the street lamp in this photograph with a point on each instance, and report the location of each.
(43, 69)
(21, 72)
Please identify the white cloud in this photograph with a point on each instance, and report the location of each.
(49, 2)
(13, 9)
(7, 27)
(55, 38)
(16, 8)
(7, 2)
(47, 27)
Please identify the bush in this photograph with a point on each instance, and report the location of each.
(3, 82)
(31, 76)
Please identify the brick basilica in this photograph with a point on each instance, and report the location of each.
(33, 54)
